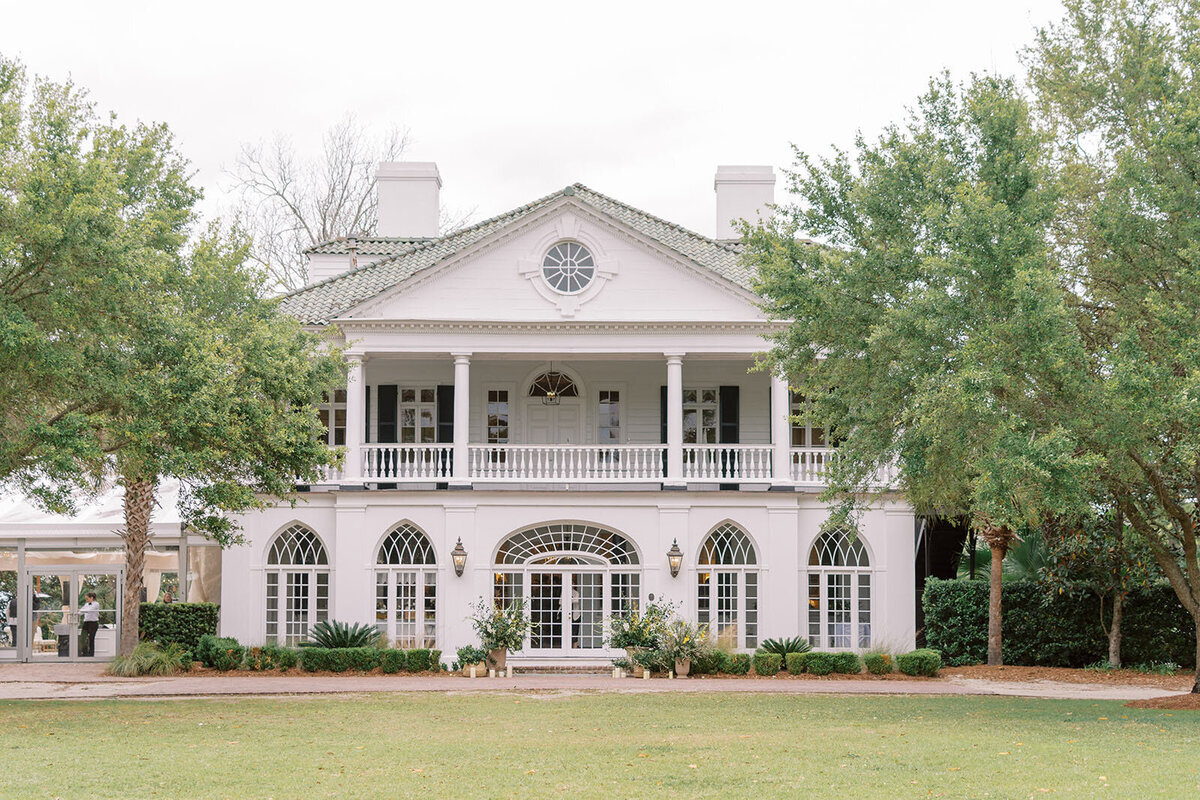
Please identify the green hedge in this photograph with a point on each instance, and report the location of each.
(797, 663)
(847, 663)
(182, 623)
(1048, 629)
(269, 656)
(392, 661)
(767, 663)
(922, 662)
(739, 664)
(340, 659)
(879, 663)
(219, 652)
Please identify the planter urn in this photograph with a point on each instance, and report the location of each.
(481, 670)
(635, 669)
(499, 657)
(682, 667)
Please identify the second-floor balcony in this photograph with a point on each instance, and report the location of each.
(666, 421)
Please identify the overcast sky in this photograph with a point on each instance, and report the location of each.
(639, 100)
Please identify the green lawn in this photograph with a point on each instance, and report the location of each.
(477, 745)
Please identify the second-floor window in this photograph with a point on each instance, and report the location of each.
(497, 416)
(700, 416)
(609, 430)
(332, 411)
(804, 433)
(418, 415)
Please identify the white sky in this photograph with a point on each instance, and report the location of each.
(639, 100)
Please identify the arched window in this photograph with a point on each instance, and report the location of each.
(406, 588)
(839, 591)
(572, 577)
(297, 585)
(727, 587)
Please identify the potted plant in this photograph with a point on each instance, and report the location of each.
(500, 629)
(638, 631)
(471, 656)
(682, 641)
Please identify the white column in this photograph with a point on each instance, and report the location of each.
(674, 418)
(781, 429)
(356, 408)
(462, 415)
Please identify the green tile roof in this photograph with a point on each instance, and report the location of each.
(366, 246)
(331, 298)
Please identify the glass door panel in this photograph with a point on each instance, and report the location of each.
(97, 638)
(545, 610)
(50, 631)
(587, 610)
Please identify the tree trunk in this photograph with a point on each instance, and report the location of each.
(139, 502)
(1196, 682)
(995, 658)
(1114, 632)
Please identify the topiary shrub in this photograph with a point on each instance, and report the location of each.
(435, 660)
(316, 659)
(925, 662)
(797, 663)
(392, 661)
(179, 623)
(767, 664)
(360, 659)
(846, 663)
(739, 664)
(417, 660)
(219, 652)
(879, 663)
(820, 663)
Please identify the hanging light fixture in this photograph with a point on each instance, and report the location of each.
(550, 398)
(459, 556)
(675, 558)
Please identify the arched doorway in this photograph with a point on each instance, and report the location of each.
(553, 410)
(727, 587)
(297, 577)
(839, 591)
(406, 588)
(572, 578)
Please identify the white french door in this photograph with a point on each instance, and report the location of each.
(50, 620)
(558, 424)
(567, 610)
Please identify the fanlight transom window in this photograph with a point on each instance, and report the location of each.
(406, 545)
(553, 384)
(728, 545)
(567, 543)
(568, 267)
(836, 548)
(297, 546)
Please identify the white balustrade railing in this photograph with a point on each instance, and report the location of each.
(727, 462)
(809, 463)
(627, 462)
(407, 461)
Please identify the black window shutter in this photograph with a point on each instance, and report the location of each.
(386, 415)
(662, 415)
(367, 414)
(729, 431)
(445, 414)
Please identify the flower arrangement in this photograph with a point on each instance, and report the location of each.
(640, 629)
(683, 641)
(500, 628)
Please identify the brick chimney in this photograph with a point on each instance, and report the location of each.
(743, 192)
(409, 204)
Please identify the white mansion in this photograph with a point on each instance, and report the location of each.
(544, 405)
(556, 404)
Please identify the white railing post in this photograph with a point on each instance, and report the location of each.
(674, 418)
(356, 406)
(462, 417)
(781, 430)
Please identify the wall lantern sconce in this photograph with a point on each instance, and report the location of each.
(459, 556)
(675, 558)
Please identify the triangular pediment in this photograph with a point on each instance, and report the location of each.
(624, 275)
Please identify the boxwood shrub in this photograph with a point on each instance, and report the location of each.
(392, 661)
(879, 663)
(767, 663)
(711, 662)
(796, 662)
(341, 659)
(846, 663)
(417, 660)
(924, 662)
(1042, 627)
(219, 652)
(739, 664)
(179, 623)
(269, 657)
(820, 663)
